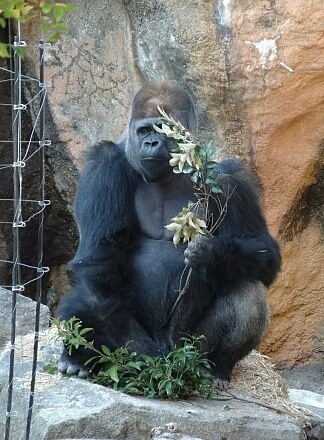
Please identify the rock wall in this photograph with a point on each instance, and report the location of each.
(254, 70)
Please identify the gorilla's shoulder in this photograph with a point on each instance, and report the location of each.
(232, 173)
(230, 166)
(105, 151)
(233, 169)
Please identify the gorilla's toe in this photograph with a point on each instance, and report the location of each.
(71, 368)
(222, 384)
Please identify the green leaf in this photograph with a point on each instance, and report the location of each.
(157, 375)
(136, 365)
(50, 368)
(105, 350)
(19, 51)
(25, 9)
(92, 359)
(69, 8)
(169, 388)
(66, 7)
(85, 330)
(174, 147)
(131, 387)
(58, 12)
(187, 169)
(195, 177)
(113, 373)
(45, 26)
(216, 190)
(47, 7)
(4, 50)
(59, 27)
(54, 37)
(2, 22)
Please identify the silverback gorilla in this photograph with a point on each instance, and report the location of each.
(126, 272)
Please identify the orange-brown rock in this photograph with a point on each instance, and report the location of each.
(296, 332)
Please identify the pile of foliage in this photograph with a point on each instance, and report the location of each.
(182, 373)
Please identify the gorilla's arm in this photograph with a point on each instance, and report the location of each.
(104, 214)
(100, 294)
(242, 248)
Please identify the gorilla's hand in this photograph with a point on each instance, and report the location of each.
(200, 252)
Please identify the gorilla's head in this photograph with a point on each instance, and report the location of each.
(146, 150)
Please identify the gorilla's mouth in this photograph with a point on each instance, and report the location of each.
(147, 158)
(154, 168)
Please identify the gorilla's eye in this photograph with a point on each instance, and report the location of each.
(144, 130)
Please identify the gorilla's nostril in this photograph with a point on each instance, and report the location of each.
(151, 144)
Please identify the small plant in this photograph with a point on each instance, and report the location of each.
(51, 14)
(72, 333)
(50, 368)
(181, 374)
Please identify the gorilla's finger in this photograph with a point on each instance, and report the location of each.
(200, 238)
(83, 373)
(73, 369)
(191, 245)
(189, 252)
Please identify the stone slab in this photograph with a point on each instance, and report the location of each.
(74, 408)
(25, 316)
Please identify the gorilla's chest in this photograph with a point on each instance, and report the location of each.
(157, 203)
(155, 263)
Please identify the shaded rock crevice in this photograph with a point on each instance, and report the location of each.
(60, 234)
(308, 206)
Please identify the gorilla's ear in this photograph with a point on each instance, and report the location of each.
(169, 96)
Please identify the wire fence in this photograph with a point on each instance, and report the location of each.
(23, 151)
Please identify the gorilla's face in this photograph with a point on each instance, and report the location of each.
(148, 151)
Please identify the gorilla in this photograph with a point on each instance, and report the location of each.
(126, 272)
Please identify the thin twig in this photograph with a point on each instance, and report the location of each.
(222, 213)
(256, 402)
(181, 294)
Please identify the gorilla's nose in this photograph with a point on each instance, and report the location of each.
(152, 144)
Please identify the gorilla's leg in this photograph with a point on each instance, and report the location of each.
(233, 326)
(113, 325)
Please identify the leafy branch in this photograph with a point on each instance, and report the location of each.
(180, 374)
(190, 157)
(51, 15)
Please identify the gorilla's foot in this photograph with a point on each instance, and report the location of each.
(72, 368)
(221, 384)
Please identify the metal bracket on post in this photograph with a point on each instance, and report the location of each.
(43, 45)
(20, 43)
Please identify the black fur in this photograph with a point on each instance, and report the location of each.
(125, 275)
